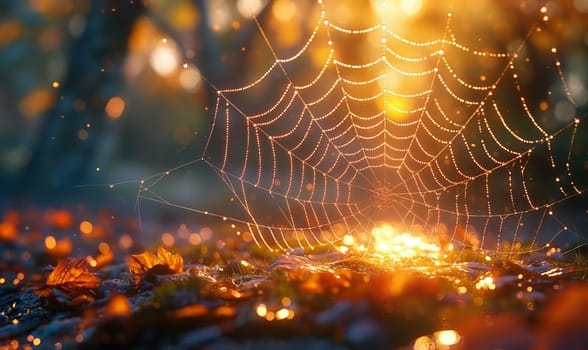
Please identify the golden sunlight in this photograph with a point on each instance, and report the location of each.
(393, 244)
(447, 337)
(399, 108)
(284, 10)
(393, 9)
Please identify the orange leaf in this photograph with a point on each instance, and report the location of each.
(71, 275)
(141, 263)
(175, 262)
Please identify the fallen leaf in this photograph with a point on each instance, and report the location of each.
(141, 263)
(175, 262)
(72, 277)
(164, 262)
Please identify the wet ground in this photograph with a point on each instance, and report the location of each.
(80, 279)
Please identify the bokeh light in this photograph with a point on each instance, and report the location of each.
(284, 10)
(250, 8)
(447, 337)
(190, 78)
(115, 107)
(164, 59)
(86, 227)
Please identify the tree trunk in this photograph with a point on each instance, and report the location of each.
(76, 134)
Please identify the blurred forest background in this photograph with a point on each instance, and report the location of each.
(96, 92)
(104, 91)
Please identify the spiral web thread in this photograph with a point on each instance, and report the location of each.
(426, 132)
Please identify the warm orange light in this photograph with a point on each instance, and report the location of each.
(410, 7)
(168, 239)
(390, 9)
(104, 248)
(195, 239)
(50, 242)
(125, 241)
(392, 244)
(185, 16)
(424, 343)
(246, 236)
(36, 102)
(221, 15)
(282, 314)
(261, 310)
(205, 233)
(115, 107)
(486, 283)
(83, 134)
(8, 231)
(194, 310)
(63, 247)
(86, 227)
(60, 219)
(10, 30)
(91, 261)
(225, 311)
(447, 337)
(141, 37)
(348, 240)
(118, 305)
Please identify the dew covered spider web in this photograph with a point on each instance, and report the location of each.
(441, 124)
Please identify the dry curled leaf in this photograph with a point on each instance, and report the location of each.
(72, 277)
(163, 262)
(175, 262)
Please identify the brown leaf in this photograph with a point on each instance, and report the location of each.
(71, 276)
(175, 262)
(139, 264)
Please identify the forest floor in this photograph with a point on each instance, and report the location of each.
(81, 279)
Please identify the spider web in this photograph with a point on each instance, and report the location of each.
(430, 127)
